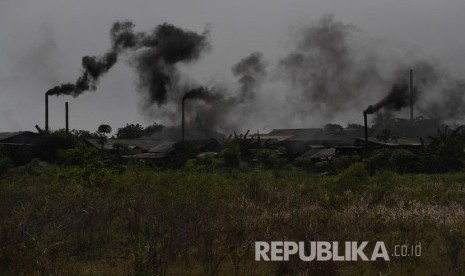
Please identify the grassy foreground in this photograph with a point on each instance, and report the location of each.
(138, 221)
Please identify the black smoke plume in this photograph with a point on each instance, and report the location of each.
(326, 69)
(202, 93)
(398, 97)
(155, 56)
(250, 71)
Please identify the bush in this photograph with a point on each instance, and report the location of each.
(182, 151)
(379, 160)
(403, 160)
(353, 178)
(304, 163)
(344, 162)
(231, 155)
(208, 162)
(50, 143)
(5, 164)
(270, 159)
(82, 156)
(323, 166)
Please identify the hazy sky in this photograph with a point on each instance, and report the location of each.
(42, 43)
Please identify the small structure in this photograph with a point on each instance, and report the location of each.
(19, 146)
(392, 143)
(138, 146)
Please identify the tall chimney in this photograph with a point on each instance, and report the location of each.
(67, 117)
(411, 94)
(182, 120)
(46, 112)
(365, 120)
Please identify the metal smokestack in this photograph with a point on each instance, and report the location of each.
(182, 119)
(411, 94)
(67, 117)
(46, 112)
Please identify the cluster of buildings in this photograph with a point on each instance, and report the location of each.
(314, 143)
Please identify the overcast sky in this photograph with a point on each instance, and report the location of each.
(42, 43)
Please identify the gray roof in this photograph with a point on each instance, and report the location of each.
(163, 147)
(298, 132)
(6, 135)
(144, 144)
(321, 153)
(394, 142)
(20, 137)
(343, 137)
(148, 155)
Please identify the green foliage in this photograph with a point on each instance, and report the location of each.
(130, 131)
(304, 163)
(342, 163)
(122, 149)
(205, 162)
(104, 129)
(385, 135)
(182, 151)
(83, 134)
(405, 161)
(447, 151)
(353, 178)
(102, 132)
(5, 164)
(232, 154)
(323, 166)
(271, 159)
(51, 143)
(143, 222)
(82, 156)
(379, 160)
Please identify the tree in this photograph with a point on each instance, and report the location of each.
(50, 143)
(182, 151)
(102, 132)
(130, 131)
(152, 129)
(446, 152)
(83, 134)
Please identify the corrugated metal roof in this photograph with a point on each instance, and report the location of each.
(343, 137)
(278, 138)
(320, 153)
(163, 147)
(299, 132)
(20, 137)
(393, 142)
(148, 155)
(144, 144)
(6, 135)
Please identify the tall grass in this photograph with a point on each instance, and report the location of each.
(138, 221)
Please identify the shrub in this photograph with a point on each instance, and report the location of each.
(231, 155)
(270, 159)
(404, 160)
(182, 151)
(344, 162)
(353, 178)
(304, 163)
(379, 160)
(5, 164)
(208, 162)
(50, 143)
(82, 156)
(323, 166)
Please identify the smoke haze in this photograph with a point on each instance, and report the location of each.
(324, 69)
